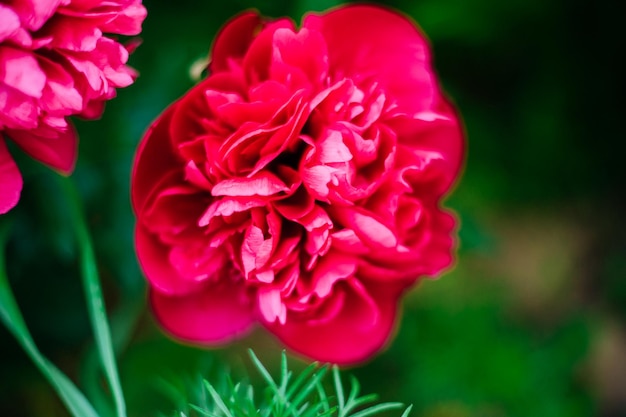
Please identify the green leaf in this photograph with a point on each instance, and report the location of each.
(93, 293)
(12, 318)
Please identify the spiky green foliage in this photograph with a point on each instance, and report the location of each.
(301, 395)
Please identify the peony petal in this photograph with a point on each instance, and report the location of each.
(127, 21)
(172, 208)
(331, 149)
(10, 180)
(388, 47)
(299, 60)
(330, 269)
(225, 207)
(233, 40)
(271, 306)
(9, 22)
(258, 58)
(425, 250)
(34, 13)
(441, 136)
(369, 229)
(72, 34)
(154, 260)
(60, 95)
(214, 314)
(361, 325)
(50, 145)
(152, 160)
(263, 184)
(17, 110)
(20, 70)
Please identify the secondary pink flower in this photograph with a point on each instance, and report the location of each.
(299, 184)
(55, 61)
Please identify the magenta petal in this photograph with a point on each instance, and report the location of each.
(233, 40)
(60, 95)
(20, 70)
(17, 110)
(154, 260)
(153, 159)
(34, 13)
(441, 136)
(299, 55)
(10, 180)
(367, 40)
(271, 306)
(330, 269)
(9, 22)
(369, 229)
(54, 147)
(258, 58)
(361, 325)
(263, 184)
(73, 34)
(127, 21)
(214, 315)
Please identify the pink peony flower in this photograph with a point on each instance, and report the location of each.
(299, 185)
(55, 61)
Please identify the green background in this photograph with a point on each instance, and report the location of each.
(530, 322)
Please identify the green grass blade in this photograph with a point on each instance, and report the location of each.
(324, 402)
(300, 379)
(306, 389)
(407, 411)
(263, 371)
(218, 400)
(285, 375)
(338, 388)
(355, 388)
(93, 293)
(378, 408)
(357, 402)
(12, 318)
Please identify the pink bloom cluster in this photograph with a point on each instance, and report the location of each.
(55, 61)
(299, 185)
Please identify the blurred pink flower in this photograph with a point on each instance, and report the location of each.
(55, 61)
(299, 184)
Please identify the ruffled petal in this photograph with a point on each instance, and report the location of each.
(390, 49)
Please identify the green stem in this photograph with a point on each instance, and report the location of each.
(93, 293)
(12, 318)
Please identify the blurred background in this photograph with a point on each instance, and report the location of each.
(530, 322)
